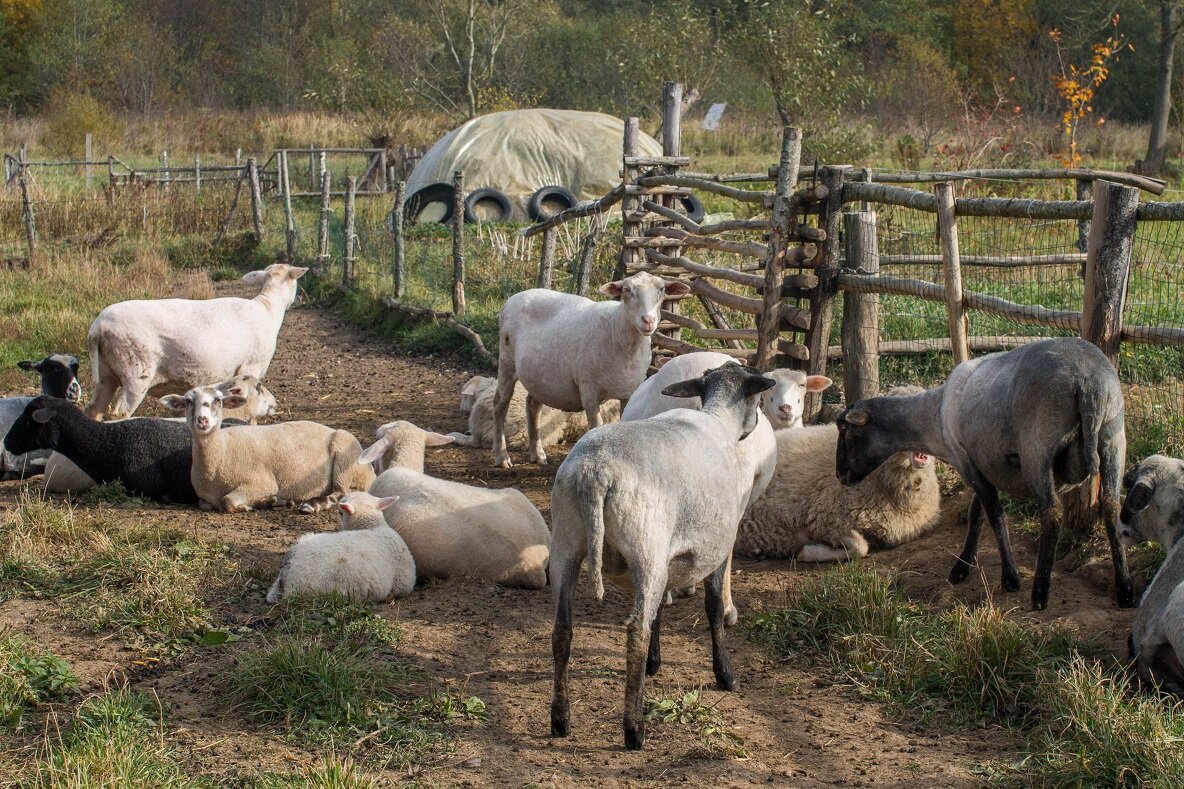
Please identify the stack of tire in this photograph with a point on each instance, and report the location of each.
(434, 203)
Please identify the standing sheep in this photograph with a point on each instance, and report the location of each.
(171, 345)
(366, 561)
(655, 504)
(572, 353)
(1154, 510)
(554, 426)
(249, 467)
(1035, 422)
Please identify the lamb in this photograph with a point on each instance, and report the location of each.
(572, 353)
(758, 452)
(785, 403)
(554, 426)
(367, 561)
(150, 457)
(248, 467)
(1154, 510)
(454, 529)
(806, 513)
(1035, 422)
(170, 345)
(59, 378)
(653, 504)
(63, 476)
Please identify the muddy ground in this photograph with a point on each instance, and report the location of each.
(495, 643)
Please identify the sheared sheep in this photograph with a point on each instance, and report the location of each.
(554, 426)
(303, 463)
(1154, 510)
(572, 353)
(653, 504)
(1035, 422)
(171, 345)
(59, 378)
(367, 561)
(454, 529)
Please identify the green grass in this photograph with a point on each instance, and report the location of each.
(330, 774)
(29, 676)
(691, 711)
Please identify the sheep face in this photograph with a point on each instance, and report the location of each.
(59, 376)
(352, 502)
(472, 390)
(1154, 504)
(275, 274)
(863, 446)
(247, 385)
(785, 402)
(727, 384)
(202, 406)
(36, 428)
(642, 294)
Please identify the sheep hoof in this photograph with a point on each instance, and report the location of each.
(726, 680)
(307, 508)
(560, 725)
(1039, 598)
(503, 462)
(731, 616)
(634, 736)
(1126, 596)
(959, 572)
(1011, 583)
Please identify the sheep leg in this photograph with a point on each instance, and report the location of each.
(721, 664)
(104, 393)
(969, 556)
(318, 504)
(590, 400)
(650, 589)
(537, 455)
(854, 546)
(1110, 494)
(563, 586)
(1051, 514)
(235, 501)
(134, 392)
(506, 378)
(731, 615)
(653, 659)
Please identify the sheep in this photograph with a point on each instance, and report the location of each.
(259, 466)
(806, 513)
(785, 403)
(1035, 422)
(63, 476)
(1154, 510)
(653, 504)
(59, 378)
(171, 345)
(454, 529)
(554, 426)
(572, 353)
(367, 561)
(758, 452)
(150, 457)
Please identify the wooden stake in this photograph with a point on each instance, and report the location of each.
(347, 263)
(256, 198)
(286, 191)
(587, 256)
(547, 258)
(322, 264)
(458, 243)
(398, 267)
(630, 257)
(769, 323)
(197, 171)
(861, 311)
(1111, 238)
(947, 231)
(822, 301)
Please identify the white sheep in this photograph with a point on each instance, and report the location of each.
(1154, 510)
(367, 561)
(476, 401)
(171, 345)
(808, 514)
(785, 403)
(246, 467)
(572, 353)
(454, 529)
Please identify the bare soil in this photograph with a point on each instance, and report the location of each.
(469, 636)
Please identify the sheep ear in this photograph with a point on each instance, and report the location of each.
(296, 272)
(858, 417)
(431, 439)
(817, 383)
(30, 366)
(173, 402)
(691, 388)
(375, 450)
(611, 289)
(346, 507)
(471, 386)
(1132, 474)
(232, 401)
(42, 415)
(675, 287)
(1140, 496)
(385, 502)
(758, 384)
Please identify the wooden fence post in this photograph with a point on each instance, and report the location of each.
(822, 299)
(861, 311)
(671, 147)
(30, 221)
(547, 258)
(458, 243)
(398, 267)
(1111, 240)
(347, 262)
(322, 264)
(256, 198)
(164, 166)
(89, 153)
(630, 256)
(769, 321)
(286, 192)
(587, 255)
(197, 172)
(947, 231)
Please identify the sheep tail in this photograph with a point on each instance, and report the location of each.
(1090, 408)
(96, 364)
(591, 504)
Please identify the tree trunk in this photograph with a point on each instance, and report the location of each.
(1153, 162)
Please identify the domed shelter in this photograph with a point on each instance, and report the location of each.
(522, 164)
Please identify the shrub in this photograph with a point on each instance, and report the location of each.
(72, 117)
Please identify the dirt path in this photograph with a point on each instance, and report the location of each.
(495, 643)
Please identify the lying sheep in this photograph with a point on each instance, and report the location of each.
(454, 529)
(554, 426)
(266, 465)
(367, 561)
(59, 378)
(1154, 510)
(1035, 422)
(572, 353)
(785, 403)
(170, 345)
(808, 514)
(63, 476)
(655, 504)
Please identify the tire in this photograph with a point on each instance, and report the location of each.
(487, 205)
(418, 207)
(692, 206)
(548, 201)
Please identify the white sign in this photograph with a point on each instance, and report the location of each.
(711, 119)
